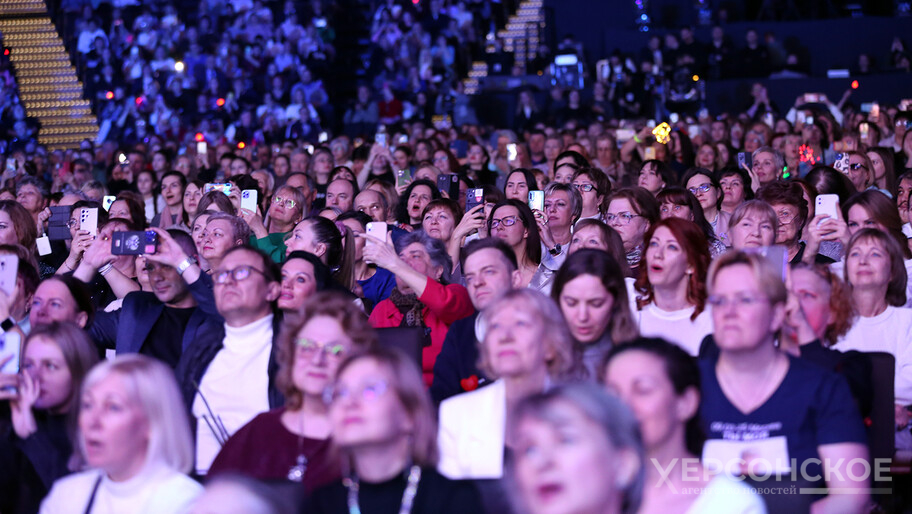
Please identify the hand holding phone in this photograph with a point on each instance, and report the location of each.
(827, 205)
(376, 229)
(537, 200)
(249, 199)
(88, 220)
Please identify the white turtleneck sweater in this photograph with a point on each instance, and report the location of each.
(235, 385)
(156, 490)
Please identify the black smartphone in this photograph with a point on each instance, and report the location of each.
(448, 183)
(134, 243)
(474, 198)
(745, 159)
(57, 224)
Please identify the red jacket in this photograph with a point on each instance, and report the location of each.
(442, 306)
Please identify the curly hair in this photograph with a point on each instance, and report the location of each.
(327, 304)
(842, 310)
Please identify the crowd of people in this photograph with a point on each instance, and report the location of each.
(586, 314)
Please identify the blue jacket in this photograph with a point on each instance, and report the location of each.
(126, 330)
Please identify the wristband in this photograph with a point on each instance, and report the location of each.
(184, 265)
(637, 140)
(104, 270)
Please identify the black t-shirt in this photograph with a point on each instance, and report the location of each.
(436, 495)
(165, 341)
(811, 407)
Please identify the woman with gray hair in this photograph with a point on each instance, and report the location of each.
(557, 474)
(223, 231)
(421, 297)
(525, 346)
(134, 434)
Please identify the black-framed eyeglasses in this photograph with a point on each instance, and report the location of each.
(237, 274)
(508, 221)
(703, 188)
(585, 188)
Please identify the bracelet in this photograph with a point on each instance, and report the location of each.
(68, 266)
(184, 265)
(637, 140)
(104, 270)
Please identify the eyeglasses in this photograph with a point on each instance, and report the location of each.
(703, 188)
(311, 347)
(368, 392)
(738, 301)
(786, 217)
(585, 188)
(72, 223)
(288, 202)
(855, 166)
(624, 218)
(509, 221)
(237, 274)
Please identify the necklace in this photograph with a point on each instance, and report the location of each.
(753, 401)
(296, 472)
(408, 497)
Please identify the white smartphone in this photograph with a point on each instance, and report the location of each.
(10, 344)
(828, 205)
(88, 220)
(201, 148)
(249, 199)
(108, 201)
(511, 151)
(9, 270)
(537, 200)
(376, 229)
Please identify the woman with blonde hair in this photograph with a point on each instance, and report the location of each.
(383, 425)
(526, 346)
(135, 437)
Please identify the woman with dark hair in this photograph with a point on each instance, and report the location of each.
(513, 222)
(557, 473)
(594, 187)
(596, 234)
(477, 166)
(193, 193)
(375, 283)
(660, 383)
(677, 202)
(323, 238)
(655, 175)
(735, 185)
(787, 200)
(592, 295)
(446, 161)
(127, 205)
(671, 291)
(884, 168)
(216, 201)
(61, 298)
(321, 165)
(414, 199)
(703, 184)
(518, 184)
(901, 197)
(303, 276)
(631, 211)
(439, 220)
(707, 156)
(292, 443)
(35, 441)
(383, 424)
(17, 227)
(421, 298)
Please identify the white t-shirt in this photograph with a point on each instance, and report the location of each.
(161, 491)
(236, 386)
(725, 494)
(891, 332)
(675, 326)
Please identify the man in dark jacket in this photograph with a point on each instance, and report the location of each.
(490, 270)
(228, 375)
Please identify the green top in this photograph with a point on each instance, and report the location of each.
(273, 245)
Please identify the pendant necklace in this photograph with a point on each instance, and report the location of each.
(296, 472)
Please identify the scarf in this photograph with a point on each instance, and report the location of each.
(410, 308)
